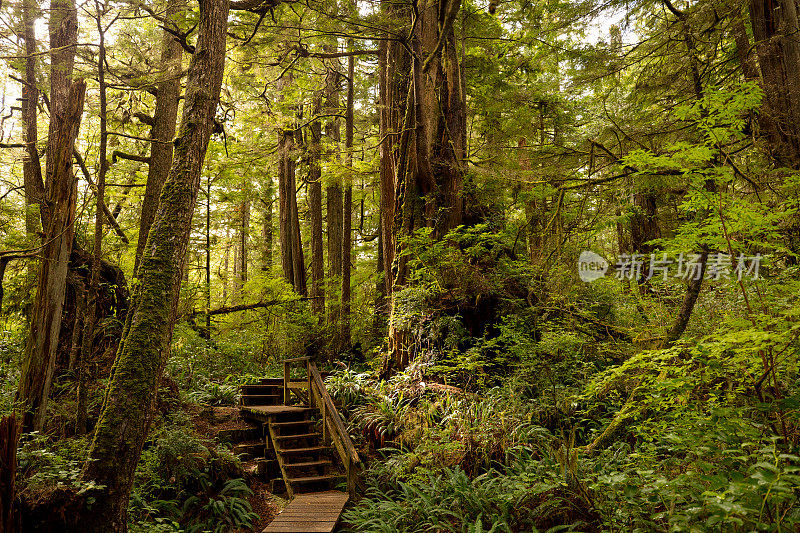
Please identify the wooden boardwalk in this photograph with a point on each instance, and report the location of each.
(306, 439)
(316, 512)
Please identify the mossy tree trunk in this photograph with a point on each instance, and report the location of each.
(428, 174)
(143, 352)
(165, 118)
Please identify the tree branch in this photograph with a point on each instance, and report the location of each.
(111, 220)
(130, 157)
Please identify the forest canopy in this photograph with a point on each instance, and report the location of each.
(518, 266)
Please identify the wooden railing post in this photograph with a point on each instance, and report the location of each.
(324, 422)
(351, 479)
(308, 376)
(286, 382)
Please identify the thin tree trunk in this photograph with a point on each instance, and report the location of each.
(163, 130)
(94, 281)
(240, 256)
(347, 209)
(207, 329)
(226, 267)
(298, 261)
(31, 166)
(334, 205)
(379, 319)
(9, 439)
(689, 301)
(267, 232)
(287, 198)
(315, 208)
(143, 352)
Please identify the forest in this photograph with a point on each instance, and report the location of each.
(399, 266)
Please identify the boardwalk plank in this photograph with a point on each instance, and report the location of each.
(316, 512)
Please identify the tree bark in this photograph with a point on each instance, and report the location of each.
(291, 245)
(66, 109)
(163, 130)
(31, 166)
(347, 208)
(242, 238)
(9, 439)
(315, 208)
(94, 281)
(775, 29)
(143, 352)
(267, 232)
(428, 175)
(333, 191)
(206, 333)
(689, 300)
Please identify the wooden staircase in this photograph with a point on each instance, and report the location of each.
(306, 444)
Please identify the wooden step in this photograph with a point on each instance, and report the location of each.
(293, 423)
(293, 427)
(269, 413)
(260, 399)
(250, 450)
(314, 479)
(270, 381)
(311, 450)
(309, 464)
(282, 438)
(252, 388)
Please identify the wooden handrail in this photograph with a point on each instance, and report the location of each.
(297, 359)
(333, 413)
(333, 427)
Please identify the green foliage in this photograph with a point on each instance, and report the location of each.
(183, 484)
(43, 464)
(11, 347)
(211, 393)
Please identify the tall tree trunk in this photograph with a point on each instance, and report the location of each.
(163, 130)
(347, 208)
(315, 208)
(775, 29)
(31, 166)
(94, 281)
(393, 79)
(379, 319)
(58, 215)
(206, 334)
(334, 205)
(226, 267)
(240, 262)
(291, 244)
(429, 173)
(298, 258)
(285, 168)
(130, 398)
(644, 227)
(267, 231)
(9, 439)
